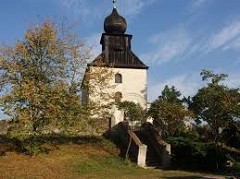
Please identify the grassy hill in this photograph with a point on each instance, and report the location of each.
(80, 158)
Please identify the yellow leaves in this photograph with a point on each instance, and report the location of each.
(41, 38)
(24, 115)
(73, 52)
(43, 74)
(99, 77)
(230, 101)
(45, 32)
(20, 48)
(6, 98)
(97, 80)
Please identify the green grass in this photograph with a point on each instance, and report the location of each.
(113, 166)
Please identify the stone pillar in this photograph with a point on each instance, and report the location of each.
(142, 153)
(166, 158)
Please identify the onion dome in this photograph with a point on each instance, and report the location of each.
(114, 23)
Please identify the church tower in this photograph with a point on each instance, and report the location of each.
(129, 72)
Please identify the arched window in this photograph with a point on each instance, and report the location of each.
(118, 78)
(118, 96)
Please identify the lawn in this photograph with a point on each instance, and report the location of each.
(81, 159)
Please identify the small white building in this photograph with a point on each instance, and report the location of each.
(129, 73)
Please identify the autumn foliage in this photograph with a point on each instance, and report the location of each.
(41, 78)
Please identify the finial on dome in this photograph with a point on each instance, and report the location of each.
(114, 23)
(114, 4)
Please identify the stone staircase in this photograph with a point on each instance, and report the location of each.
(152, 159)
(143, 146)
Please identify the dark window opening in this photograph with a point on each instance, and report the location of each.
(118, 97)
(118, 78)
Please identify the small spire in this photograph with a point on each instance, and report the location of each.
(114, 4)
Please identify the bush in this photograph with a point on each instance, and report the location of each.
(34, 148)
(235, 164)
(231, 136)
(190, 154)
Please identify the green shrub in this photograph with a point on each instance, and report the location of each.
(236, 164)
(231, 136)
(34, 148)
(193, 154)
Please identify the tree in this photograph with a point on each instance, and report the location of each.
(216, 104)
(41, 78)
(169, 112)
(99, 95)
(132, 111)
(97, 84)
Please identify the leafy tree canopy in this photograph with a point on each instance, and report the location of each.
(41, 78)
(169, 112)
(216, 104)
(132, 111)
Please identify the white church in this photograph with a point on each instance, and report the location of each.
(129, 72)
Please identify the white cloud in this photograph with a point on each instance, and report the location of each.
(198, 3)
(234, 45)
(169, 46)
(187, 84)
(80, 5)
(89, 10)
(233, 80)
(84, 9)
(133, 7)
(226, 38)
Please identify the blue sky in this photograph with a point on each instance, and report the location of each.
(176, 38)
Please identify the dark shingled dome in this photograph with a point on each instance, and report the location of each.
(115, 24)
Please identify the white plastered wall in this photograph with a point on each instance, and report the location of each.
(133, 88)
